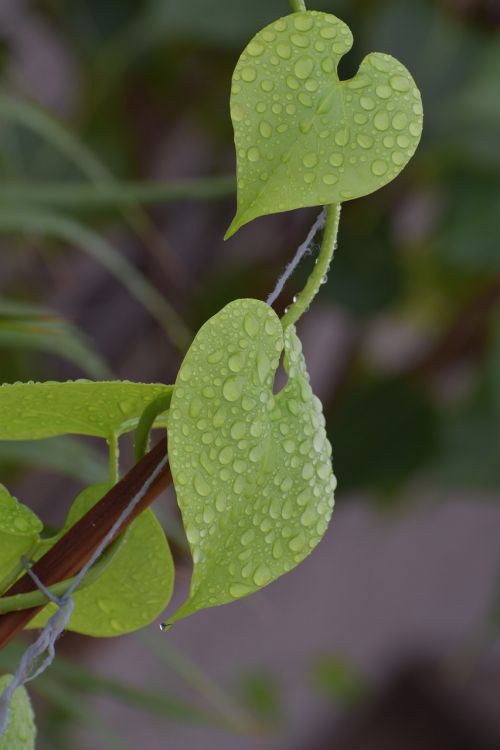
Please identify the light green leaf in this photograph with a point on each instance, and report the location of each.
(65, 455)
(81, 407)
(21, 731)
(134, 588)
(251, 469)
(25, 326)
(19, 532)
(304, 138)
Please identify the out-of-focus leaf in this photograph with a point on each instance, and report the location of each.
(134, 588)
(384, 430)
(262, 696)
(252, 470)
(38, 221)
(338, 680)
(26, 326)
(21, 731)
(31, 411)
(64, 455)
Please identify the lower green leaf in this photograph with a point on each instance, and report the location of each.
(21, 731)
(251, 469)
(134, 588)
(19, 532)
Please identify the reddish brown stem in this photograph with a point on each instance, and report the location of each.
(66, 558)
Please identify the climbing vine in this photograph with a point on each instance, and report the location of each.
(252, 468)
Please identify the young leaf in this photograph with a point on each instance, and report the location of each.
(21, 731)
(81, 407)
(19, 531)
(251, 469)
(305, 138)
(134, 588)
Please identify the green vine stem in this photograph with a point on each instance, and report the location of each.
(146, 423)
(298, 6)
(318, 275)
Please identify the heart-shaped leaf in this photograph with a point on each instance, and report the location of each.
(19, 531)
(82, 407)
(134, 588)
(21, 731)
(304, 138)
(252, 469)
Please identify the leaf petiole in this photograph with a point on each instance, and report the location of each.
(318, 275)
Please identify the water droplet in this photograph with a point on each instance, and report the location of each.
(165, 626)
(236, 362)
(307, 471)
(367, 103)
(253, 154)
(303, 22)
(365, 141)
(336, 159)
(239, 589)
(265, 129)
(255, 48)
(267, 85)
(414, 129)
(400, 83)
(342, 137)
(284, 51)
(330, 179)
(297, 543)
(381, 120)
(398, 158)
(231, 390)
(305, 99)
(226, 455)
(201, 485)
(300, 41)
(399, 121)
(304, 67)
(262, 575)
(237, 112)
(310, 160)
(328, 33)
(383, 91)
(379, 167)
(249, 74)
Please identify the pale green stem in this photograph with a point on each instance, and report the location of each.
(298, 6)
(318, 275)
(114, 459)
(146, 422)
(112, 195)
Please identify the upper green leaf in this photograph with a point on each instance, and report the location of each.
(103, 409)
(21, 731)
(134, 588)
(251, 469)
(305, 138)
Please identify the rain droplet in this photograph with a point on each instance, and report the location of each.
(310, 160)
(249, 74)
(303, 22)
(381, 120)
(400, 83)
(262, 575)
(265, 129)
(253, 154)
(284, 51)
(231, 390)
(304, 67)
(379, 167)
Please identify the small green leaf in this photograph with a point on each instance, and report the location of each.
(82, 407)
(19, 531)
(21, 731)
(304, 138)
(252, 470)
(134, 588)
